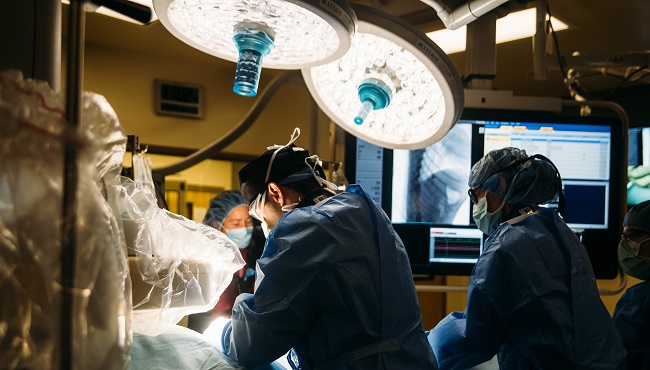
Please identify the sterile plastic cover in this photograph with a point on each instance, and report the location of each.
(33, 136)
(184, 265)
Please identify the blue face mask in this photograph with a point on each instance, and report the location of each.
(629, 260)
(241, 236)
(485, 221)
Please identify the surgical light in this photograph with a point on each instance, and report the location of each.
(282, 34)
(394, 88)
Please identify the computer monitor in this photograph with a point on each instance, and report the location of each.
(430, 185)
(416, 237)
(638, 171)
(581, 152)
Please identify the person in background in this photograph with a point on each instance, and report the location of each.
(228, 212)
(334, 282)
(532, 297)
(632, 313)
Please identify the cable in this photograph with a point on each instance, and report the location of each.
(628, 78)
(239, 129)
(557, 45)
(576, 90)
(160, 195)
(591, 74)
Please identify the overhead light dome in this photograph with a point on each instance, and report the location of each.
(282, 34)
(394, 88)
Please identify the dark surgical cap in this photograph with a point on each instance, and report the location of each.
(221, 205)
(639, 216)
(533, 180)
(288, 166)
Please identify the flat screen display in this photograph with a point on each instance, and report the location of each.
(429, 185)
(638, 171)
(581, 152)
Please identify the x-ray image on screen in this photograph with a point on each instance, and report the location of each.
(430, 184)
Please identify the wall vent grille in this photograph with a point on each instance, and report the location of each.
(179, 99)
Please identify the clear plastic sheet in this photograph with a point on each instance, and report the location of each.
(33, 136)
(142, 173)
(183, 266)
(180, 267)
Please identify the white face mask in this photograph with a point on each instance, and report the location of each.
(241, 236)
(265, 230)
(289, 207)
(257, 211)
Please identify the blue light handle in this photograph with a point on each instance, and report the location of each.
(373, 94)
(253, 44)
(366, 107)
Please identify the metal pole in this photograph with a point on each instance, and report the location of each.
(539, 42)
(74, 78)
(313, 138)
(481, 55)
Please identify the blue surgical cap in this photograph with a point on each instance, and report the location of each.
(221, 205)
(533, 181)
(639, 216)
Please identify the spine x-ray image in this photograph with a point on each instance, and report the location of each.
(436, 181)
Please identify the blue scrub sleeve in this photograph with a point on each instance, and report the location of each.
(465, 339)
(225, 336)
(259, 335)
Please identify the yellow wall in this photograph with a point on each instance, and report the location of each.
(209, 172)
(126, 79)
(610, 300)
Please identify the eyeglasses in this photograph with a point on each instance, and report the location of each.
(472, 195)
(633, 234)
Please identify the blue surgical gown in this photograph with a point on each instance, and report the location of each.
(533, 301)
(336, 286)
(632, 319)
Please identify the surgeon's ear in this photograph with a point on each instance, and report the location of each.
(275, 193)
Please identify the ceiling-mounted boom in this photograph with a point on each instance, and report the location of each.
(464, 14)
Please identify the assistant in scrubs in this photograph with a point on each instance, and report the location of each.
(228, 213)
(632, 313)
(334, 283)
(532, 297)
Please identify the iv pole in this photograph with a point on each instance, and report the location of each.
(74, 85)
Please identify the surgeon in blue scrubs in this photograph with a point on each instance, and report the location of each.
(632, 313)
(334, 283)
(533, 299)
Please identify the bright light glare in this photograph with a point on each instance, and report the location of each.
(417, 108)
(214, 331)
(514, 26)
(110, 13)
(301, 36)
